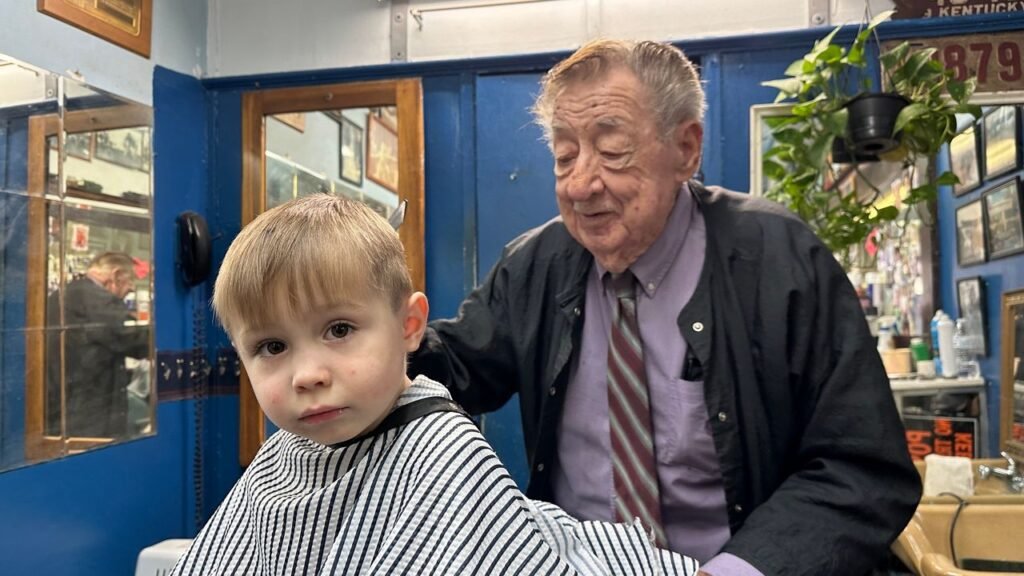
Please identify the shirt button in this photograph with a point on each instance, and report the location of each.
(698, 326)
(576, 310)
(552, 391)
(738, 508)
(540, 467)
(722, 417)
(650, 286)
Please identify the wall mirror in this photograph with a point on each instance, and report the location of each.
(893, 270)
(363, 140)
(75, 267)
(1012, 373)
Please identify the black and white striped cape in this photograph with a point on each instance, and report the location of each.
(426, 497)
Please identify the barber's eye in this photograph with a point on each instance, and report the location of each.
(340, 330)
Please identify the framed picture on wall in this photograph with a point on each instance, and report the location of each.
(128, 147)
(351, 147)
(970, 296)
(1001, 147)
(963, 161)
(1005, 230)
(127, 23)
(381, 154)
(970, 234)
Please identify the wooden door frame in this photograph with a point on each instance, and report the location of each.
(407, 96)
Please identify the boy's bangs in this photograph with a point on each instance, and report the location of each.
(311, 273)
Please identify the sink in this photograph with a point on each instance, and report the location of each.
(991, 490)
(988, 539)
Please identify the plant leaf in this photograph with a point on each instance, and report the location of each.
(909, 114)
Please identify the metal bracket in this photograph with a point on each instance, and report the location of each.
(818, 13)
(399, 30)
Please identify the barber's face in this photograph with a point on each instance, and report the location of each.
(120, 284)
(616, 177)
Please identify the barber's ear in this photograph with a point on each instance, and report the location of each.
(414, 323)
(688, 140)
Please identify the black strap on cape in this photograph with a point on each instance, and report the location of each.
(407, 413)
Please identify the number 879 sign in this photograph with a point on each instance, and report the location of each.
(995, 59)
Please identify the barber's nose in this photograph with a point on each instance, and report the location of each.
(585, 180)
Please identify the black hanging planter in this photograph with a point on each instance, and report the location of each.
(842, 155)
(872, 118)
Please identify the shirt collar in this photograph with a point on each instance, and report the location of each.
(652, 266)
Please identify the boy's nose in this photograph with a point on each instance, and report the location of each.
(310, 376)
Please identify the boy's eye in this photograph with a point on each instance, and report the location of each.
(340, 330)
(270, 348)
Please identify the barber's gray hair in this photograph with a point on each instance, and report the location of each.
(113, 262)
(671, 80)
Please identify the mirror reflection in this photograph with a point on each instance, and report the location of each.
(1013, 371)
(75, 189)
(351, 151)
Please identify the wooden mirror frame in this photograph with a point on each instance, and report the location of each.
(406, 96)
(38, 445)
(1006, 375)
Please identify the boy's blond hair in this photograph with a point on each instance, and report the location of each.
(310, 252)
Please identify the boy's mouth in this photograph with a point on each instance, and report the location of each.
(319, 414)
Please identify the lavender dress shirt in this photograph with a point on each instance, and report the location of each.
(693, 505)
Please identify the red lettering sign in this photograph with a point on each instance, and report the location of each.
(963, 444)
(948, 436)
(995, 59)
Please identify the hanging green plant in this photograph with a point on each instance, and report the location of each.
(911, 120)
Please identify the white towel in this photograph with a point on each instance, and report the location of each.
(948, 474)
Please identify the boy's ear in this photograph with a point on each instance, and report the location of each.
(415, 322)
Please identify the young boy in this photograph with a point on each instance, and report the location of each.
(370, 473)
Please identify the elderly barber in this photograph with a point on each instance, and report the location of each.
(684, 355)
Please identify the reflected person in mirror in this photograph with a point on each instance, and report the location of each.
(684, 355)
(96, 343)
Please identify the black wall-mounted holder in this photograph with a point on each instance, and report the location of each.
(194, 248)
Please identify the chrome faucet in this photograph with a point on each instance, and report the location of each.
(1013, 475)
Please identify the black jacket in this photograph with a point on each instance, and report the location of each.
(96, 343)
(817, 475)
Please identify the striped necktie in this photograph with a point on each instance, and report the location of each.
(629, 412)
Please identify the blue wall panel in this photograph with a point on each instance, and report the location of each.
(450, 204)
(515, 192)
(90, 514)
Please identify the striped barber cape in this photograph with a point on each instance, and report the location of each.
(425, 496)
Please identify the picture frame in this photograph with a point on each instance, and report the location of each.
(964, 161)
(77, 144)
(350, 148)
(1003, 220)
(763, 117)
(381, 154)
(126, 23)
(1000, 135)
(128, 147)
(971, 301)
(970, 233)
